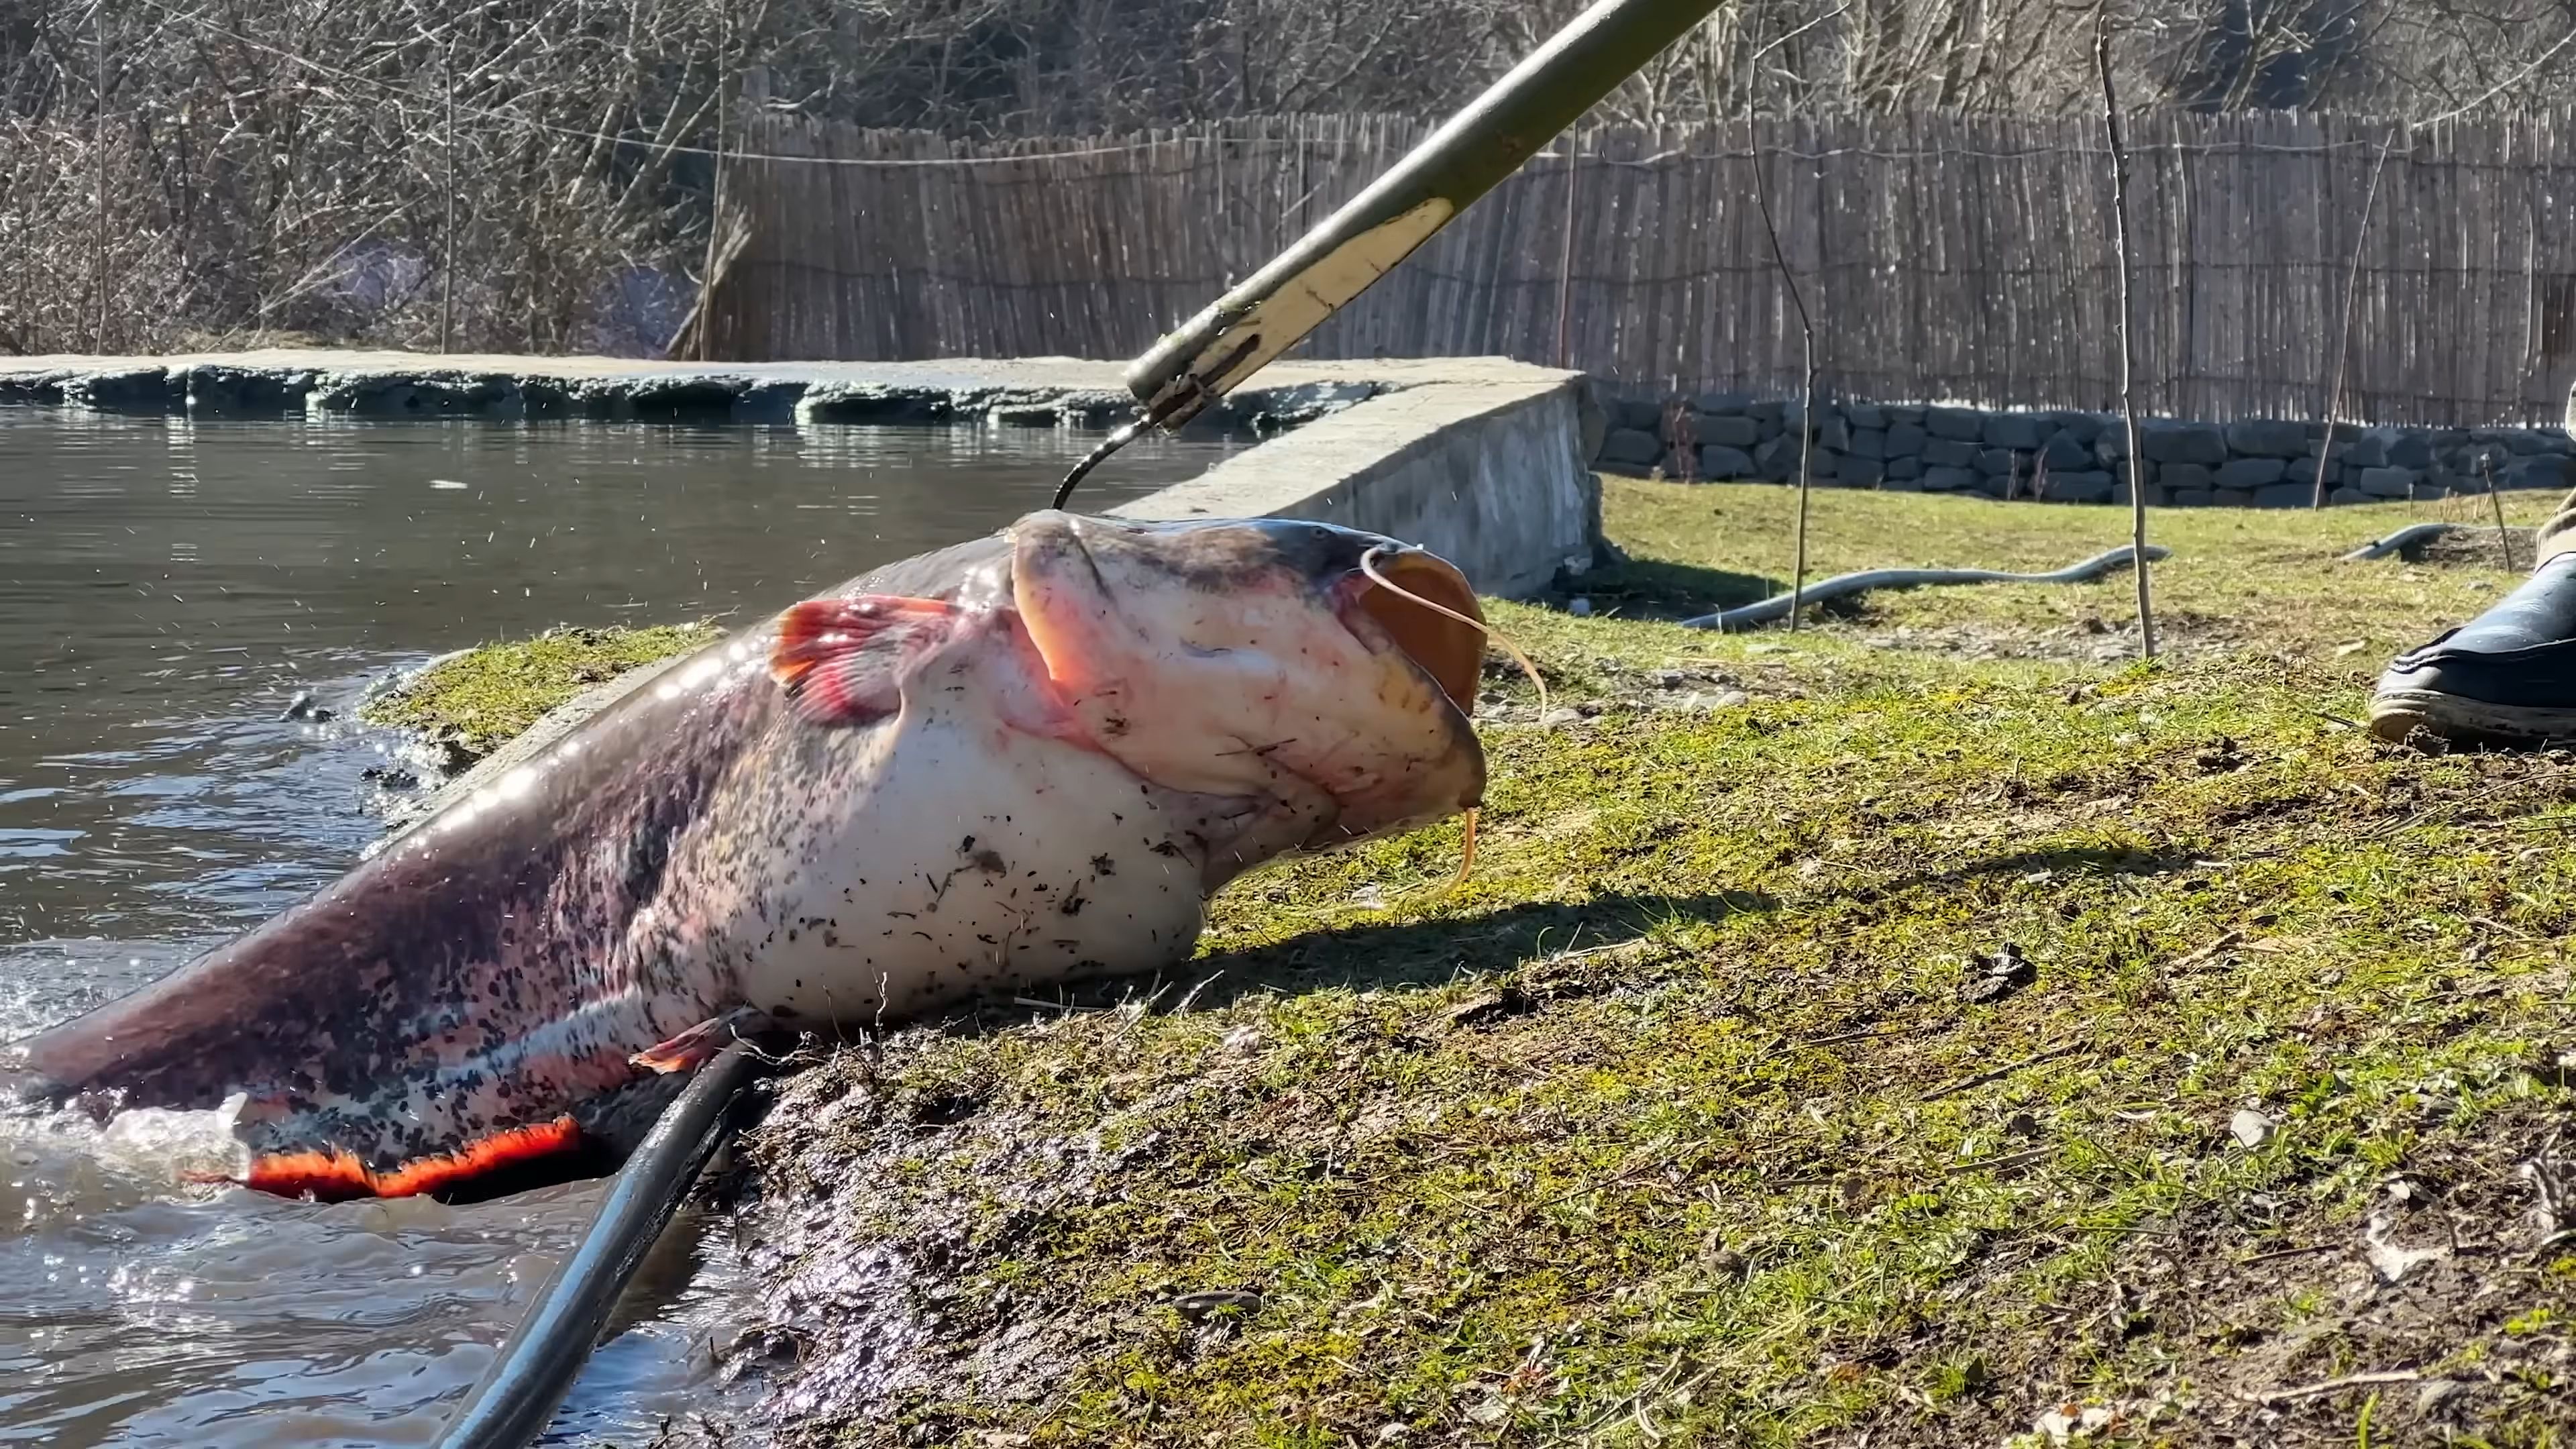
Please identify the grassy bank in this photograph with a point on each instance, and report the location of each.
(476, 701)
(1930, 1028)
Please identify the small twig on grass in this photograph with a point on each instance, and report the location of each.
(1996, 1074)
(1807, 337)
(2128, 402)
(2343, 344)
(2495, 500)
(2279, 1253)
(1636, 1404)
(2336, 1386)
(1193, 996)
(1641, 1166)
(1066, 1007)
(2205, 952)
(1998, 1162)
(1864, 1034)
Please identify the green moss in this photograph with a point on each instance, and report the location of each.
(478, 700)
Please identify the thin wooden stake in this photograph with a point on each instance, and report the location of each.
(1807, 336)
(447, 236)
(2128, 402)
(2343, 344)
(1565, 267)
(2495, 500)
(98, 166)
(716, 198)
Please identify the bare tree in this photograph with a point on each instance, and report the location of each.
(542, 173)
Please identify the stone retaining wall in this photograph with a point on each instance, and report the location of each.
(2072, 457)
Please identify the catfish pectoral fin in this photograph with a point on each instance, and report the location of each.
(700, 1043)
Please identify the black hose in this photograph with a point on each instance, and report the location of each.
(1121, 438)
(527, 1380)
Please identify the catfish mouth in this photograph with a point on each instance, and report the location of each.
(1448, 650)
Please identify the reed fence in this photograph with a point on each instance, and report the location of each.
(1948, 257)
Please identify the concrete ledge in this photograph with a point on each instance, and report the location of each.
(1485, 468)
(1482, 460)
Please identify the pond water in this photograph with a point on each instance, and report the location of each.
(166, 588)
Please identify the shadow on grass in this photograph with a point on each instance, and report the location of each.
(2078, 861)
(1430, 953)
(1653, 589)
(1417, 954)
(1656, 590)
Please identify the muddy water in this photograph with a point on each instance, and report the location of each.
(166, 588)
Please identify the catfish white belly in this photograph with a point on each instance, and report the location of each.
(979, 861)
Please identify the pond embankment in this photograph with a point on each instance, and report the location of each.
(1926, 1030)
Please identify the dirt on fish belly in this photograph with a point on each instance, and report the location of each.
(1018, 762)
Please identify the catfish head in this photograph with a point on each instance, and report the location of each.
(1261, 658)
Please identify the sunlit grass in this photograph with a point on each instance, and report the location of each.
(1714, 1110)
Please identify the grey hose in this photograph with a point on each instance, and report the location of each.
(1777, 606)
(2400, 541)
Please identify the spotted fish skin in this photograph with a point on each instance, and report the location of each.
(492, 970)
(868, 806)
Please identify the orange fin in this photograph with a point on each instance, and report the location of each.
(694, 1047)
(333, 1175)
(841, 660)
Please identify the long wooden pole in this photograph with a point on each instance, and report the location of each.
(1292, 294)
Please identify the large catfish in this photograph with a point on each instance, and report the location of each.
(1022, 760)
